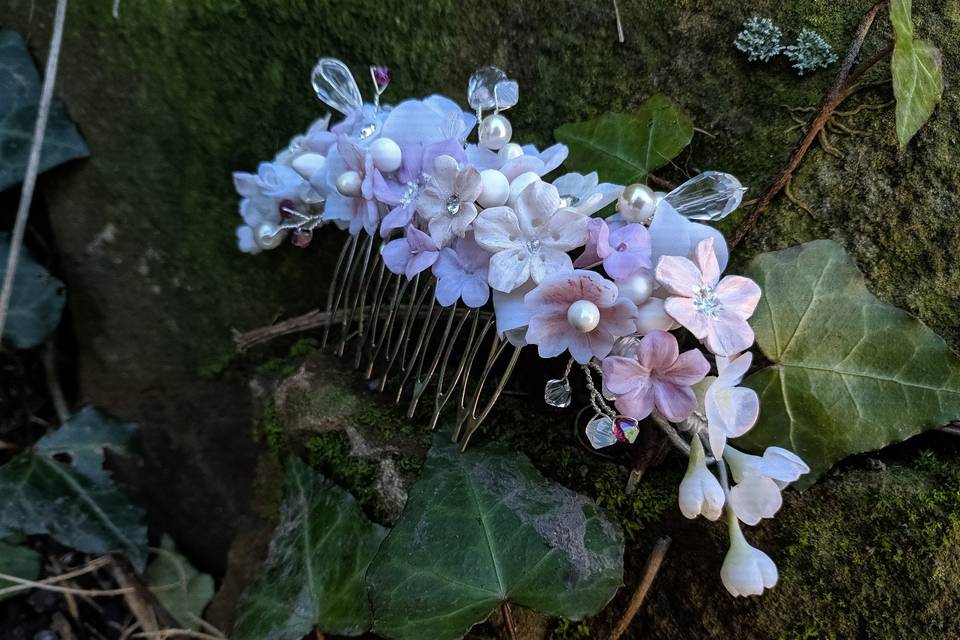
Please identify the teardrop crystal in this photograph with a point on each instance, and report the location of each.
(335, 86)
(600, 432)
(710, 196)
(557, 393)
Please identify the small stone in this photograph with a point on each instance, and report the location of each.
(557, 393)
(710, 196)
(625, 429)
(600, 432)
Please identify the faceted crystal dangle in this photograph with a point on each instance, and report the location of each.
(625, 429)
(482, 87)
(335, 86)
(506, 94)
(710, 196)
(600, 432)
(557, 393)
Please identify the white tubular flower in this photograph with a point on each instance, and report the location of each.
(700, 493)
(755, 498)
(746, 570)
(778, 464)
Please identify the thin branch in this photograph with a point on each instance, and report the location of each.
(508, 620)
(650, 570)
(663, 183)
(24, 585)
(33, 162)
(831, 100)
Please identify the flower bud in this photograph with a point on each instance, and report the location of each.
(700, 493)
(746, 570)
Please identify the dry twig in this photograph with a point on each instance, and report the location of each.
(654, 561)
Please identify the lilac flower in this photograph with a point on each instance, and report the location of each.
(448, 201)
(411, 254)
(402, 192)
(461, 272)
(731, 410)
(623, 251)
(359, 211)
(671, 234)
(539, 162)
(585, 193)
(577, 312)
(532, 241)
(433, 119)
(658, 376)
(712, 309)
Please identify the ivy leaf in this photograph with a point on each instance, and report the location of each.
(181, 589)
(313, 576)
(624, 148)
(81, 440)
(43, 496)
(917, 69)
(19, 98)
(850, 373)
(36, 303)
(20, 562)
(484, 527)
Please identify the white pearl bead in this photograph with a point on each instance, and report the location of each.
(509, 152)
(637, 203)
(386, 154)
(653, 317)
(495, 188)
(637, 288)
(583, 316)
(349, 183)
(519, 184)
(495, 131)
(307, 164)
(268, 236)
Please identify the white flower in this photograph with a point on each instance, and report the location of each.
(731, 410)
(759, 481)
(700, 493)
(746, 570)
(532, 241)
(583, 193)
(755, 498)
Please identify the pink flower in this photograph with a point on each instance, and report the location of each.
(461, 272)
(360, 211)
(710, 308)
(577, 312)
(731, 410)
(447, 203)
(658, 375)
(411, 254)
(623, 251)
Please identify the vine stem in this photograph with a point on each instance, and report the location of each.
(650, 570)
(508, 622)
(33, 161)
(830, 101)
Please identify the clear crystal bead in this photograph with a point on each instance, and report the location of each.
(335, 86)
(625, 429)
(569, 201)
(482, 87)
(532, 245)
(557, 393)
(600, 432)
(711, 196)
(453, 205)
(506, 94)
(367, 130)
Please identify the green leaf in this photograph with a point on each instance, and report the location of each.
(624, 148)
(19, 98)
(43, 496)
(313, 576)
(181, 589)
(484, 527)
(37, 300)
(20, 562)
(917, 69)
(850, 373)
(81, 440)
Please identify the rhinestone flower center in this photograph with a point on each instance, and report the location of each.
(453, 205)
(705, 301)
(533, 246)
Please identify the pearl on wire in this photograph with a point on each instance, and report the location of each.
(495, 132)
(269, 236)
(637, 203)
(349, 183)
(583, 315)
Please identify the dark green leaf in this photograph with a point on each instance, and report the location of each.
(917, 70)
(19, 97)
(43, 496)
(181, 589)
(36, 303)
(484, 527)
(849, 373)
(81, 440)
(20, 562)
(624, 148)
(313, 576)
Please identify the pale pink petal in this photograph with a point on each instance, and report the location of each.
(508, 270)
(580, 347)
(658, 350)
(683, 311)
(739, 295)
(727, 334)
(598, 245)
(468, 184)
(621, 375)
(620, 318)
(496, 229)
(638, 403)
(431, 204)
(445, 172)
(475, 291)
(675, 403)
(689, 368)
(548, 262)
(732, 410)
(537, 202)
(679, 275)
(599, 341)
(651, 316)
(707, 261)
(732, 370)
(550, 332)
(565, 230)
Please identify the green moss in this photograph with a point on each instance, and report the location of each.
(569, 630)
(329, 453)
(271, 431)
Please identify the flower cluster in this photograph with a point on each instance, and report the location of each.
(492, 228)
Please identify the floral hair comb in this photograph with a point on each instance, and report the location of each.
(460, 253)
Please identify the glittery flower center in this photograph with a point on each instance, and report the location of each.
(705, 301)
(533, 246)
(453, 205)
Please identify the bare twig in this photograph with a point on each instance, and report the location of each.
(654, 561)
(508, 620)
(831, 100)
(142, 602)
(33, 162)
(616, 12)
(663, 183)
